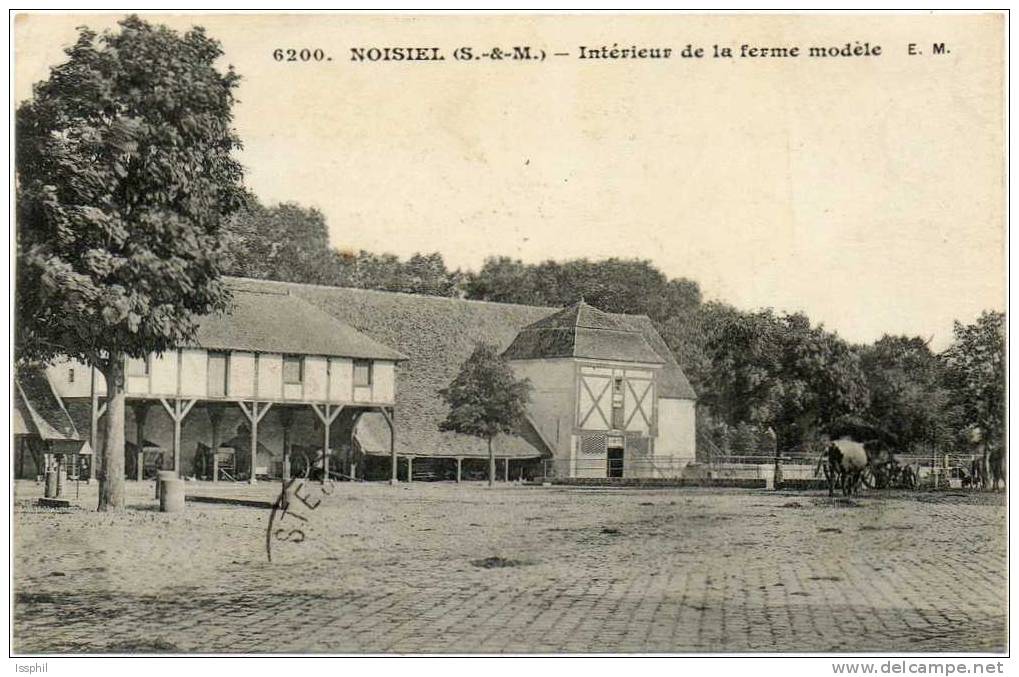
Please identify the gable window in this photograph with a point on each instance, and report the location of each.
(70, 375)
(138, 366)
(217, 374)
(362, 372)
(293, 369)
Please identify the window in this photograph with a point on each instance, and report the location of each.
(217, 374)
(138, 366)
(293, 369)
(617, 404)
(617, 390)
(70, 375)
(362, 372)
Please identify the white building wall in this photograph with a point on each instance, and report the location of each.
(325, 379)
(341, 379)
(270, 376)
(316, 378)
(71, 378)
(163, 373)
(677, 433)
(383, 382)
(638, 404)
(241, 381)
(552, 405)
(194, 373)
(137, 385)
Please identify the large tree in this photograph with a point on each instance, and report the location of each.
(910, 405)
(124, 173)
(485, 399)
(780, 372)
(975, 364)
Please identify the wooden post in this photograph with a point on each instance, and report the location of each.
(410, 469)
(215, 418)
(141, 411)
(390, 417)
(326, 416)
(286, 417)
(353, 436)
(176, 447)
(177, 413)
(392, 450)
(777, 475)
(254, 443)
(60, 474)
(459, 468)
(325, 445)
(505, 471)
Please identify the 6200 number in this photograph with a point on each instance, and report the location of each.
(299, 55)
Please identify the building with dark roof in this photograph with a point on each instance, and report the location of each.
(600, 397)
(363, 369)
(42, 428)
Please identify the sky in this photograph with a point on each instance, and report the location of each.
(867, 192)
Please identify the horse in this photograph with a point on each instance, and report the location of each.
(844, 464)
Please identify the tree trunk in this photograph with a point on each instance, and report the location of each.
(985, 466)
(111, 477)
(491, 464)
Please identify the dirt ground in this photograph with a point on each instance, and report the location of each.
(448, 568)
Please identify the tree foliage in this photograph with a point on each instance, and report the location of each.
(910, 404)
(486, 398)
(125, 173)
(285, 242)
(780, 372)
(975, 373)
(290, 243)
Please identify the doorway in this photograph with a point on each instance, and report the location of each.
(615, 461)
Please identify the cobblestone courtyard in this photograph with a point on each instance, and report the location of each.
(446, 568)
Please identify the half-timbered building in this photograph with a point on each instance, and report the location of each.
(298, 375)
(605, 395)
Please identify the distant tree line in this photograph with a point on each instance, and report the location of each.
(290, 243)
(753, 370)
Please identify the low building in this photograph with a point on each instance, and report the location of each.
(294, 365)
(45, 436)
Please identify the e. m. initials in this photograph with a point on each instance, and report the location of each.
(937, 48)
